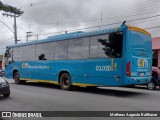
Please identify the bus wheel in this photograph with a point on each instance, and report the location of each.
(65, 81)
(16, 78)
(151, 86)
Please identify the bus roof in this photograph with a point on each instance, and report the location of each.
(78, 34)
(139, 30)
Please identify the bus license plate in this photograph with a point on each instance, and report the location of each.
(141, 74)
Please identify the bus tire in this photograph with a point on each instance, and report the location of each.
(16, 78)
(65, 81)
(151, 85)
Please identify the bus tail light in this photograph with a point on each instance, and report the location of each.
(157, 71)
(128, 70)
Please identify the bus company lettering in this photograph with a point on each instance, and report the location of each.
(142, 63)
(26, 65)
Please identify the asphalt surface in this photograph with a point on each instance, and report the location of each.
(49, 97)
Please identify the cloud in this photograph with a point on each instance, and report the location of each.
(54, 11)
(46, 16)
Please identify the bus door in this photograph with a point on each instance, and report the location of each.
(106, 59)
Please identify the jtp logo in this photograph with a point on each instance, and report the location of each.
(143, 63)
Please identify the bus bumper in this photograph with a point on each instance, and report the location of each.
(135, 80)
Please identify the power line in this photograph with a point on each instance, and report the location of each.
(93, 20)
(6, 41)
(89, 27)
(152, 27)
(7, 26)
(124, 9)
(121, 11)
(76, 30)
(104, 25)
(97, 19)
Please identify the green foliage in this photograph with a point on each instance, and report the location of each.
(11, 9)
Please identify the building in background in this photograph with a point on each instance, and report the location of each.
(156, 51)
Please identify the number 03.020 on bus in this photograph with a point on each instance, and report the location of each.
(110, 57)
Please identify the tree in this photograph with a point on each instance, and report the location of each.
(112, 46)
(11, 9)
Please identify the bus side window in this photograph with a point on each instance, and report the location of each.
(112, 46)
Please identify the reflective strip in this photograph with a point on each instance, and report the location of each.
(83, 85)
(54, 82)
(139, 30)
(35, 80)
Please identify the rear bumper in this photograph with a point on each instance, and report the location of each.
(135, 80)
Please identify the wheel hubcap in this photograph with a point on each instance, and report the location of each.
(150, 85)
(16, 77)
(66, 81)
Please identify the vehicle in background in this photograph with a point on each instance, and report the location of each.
(2, 72)
(4, 88)
(155, 81)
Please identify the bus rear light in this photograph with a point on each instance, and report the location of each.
(157, 71)
(128, 70)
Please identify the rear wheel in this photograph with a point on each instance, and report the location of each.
(65, 81)
(151, 86)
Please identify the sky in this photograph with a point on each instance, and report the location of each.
(44, 18)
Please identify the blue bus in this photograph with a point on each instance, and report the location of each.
(111, 57)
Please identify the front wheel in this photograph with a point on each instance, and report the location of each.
(16, 78)
(65, 81)
(7, 94)
(151, 86)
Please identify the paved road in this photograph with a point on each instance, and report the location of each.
(47, 97)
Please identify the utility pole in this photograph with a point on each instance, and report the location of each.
(15, 29)
(101, 20)
(27, 35)
(15, 24)
(37, 36)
